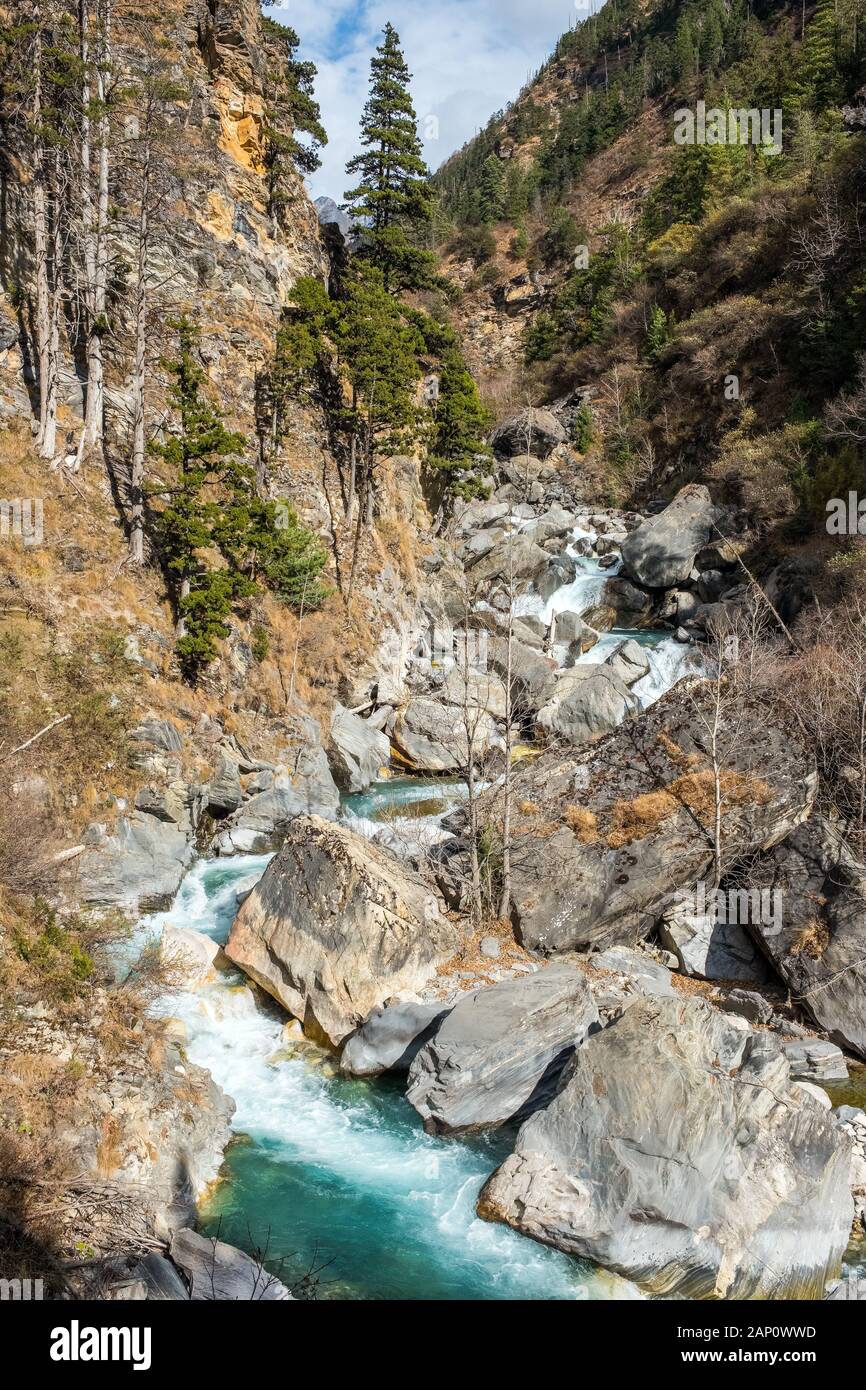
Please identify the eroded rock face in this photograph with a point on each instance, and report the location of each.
(499, 1053)
(678, 1154)
(357, 752)
(820, 951)
(338, 925)
(433, 737)
(661, 552)
(390, 1039)
(607, 835)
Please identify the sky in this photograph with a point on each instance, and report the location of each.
(468, 59)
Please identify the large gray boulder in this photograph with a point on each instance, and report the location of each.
(338, 925)
(357, 752)
(661, 552)
(430, 736)
(820, 950)
(531, 431)
(225, 793)
(606, 835)
(390, 1039)
(216, 1272)
(138, 865)
(629, 662)
(511, 558)
(307, 788)
(710, 948)
(498, 1054)
(678, 1154)
(586, 702)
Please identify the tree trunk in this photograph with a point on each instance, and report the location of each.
(139, 370)
(47, 438)
(96, 219)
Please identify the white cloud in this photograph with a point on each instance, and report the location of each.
(468, 59)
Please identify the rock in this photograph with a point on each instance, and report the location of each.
(356, 753)
(709, 948)
(513, 557)
(629, 662)
(851, 1288)
(680, 606)
(632, 606)
(620, 827)
(750, 1006)
(245, 887)
(191, 955)
(490, 948)
(677, 1154)
(571, 628)
(530, 671)
(588, 701)
(498, 1054)
(161, 1279)
(159, 734)
(810, 1059)
(561, 571)
(531, 431)
(646, 975)
(432, 737)
(820, 949)
(600, 616)
(338, 925)
(661, 552)
(476, 690)
(309, 789)
(554, 523)
(139, 866)
(817, 1093)
(390, 1039)
(225, 793)
(216, 1272)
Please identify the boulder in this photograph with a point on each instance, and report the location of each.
(390, 1039)
(225, 793)
(750, 1006)
(432, 737)
(629, 662)
(812, 1059)
(191, 955)
(356, 752)
(336, 926)
(571, 628)
(645, 975)
(499, 1053)
(820, 949)
(475, 690)
(308, 789)
(616, 829)
(555, 522)
(531, 431)
(220, 1273)
(678, 1154)
(530, 671)
(632, 605)
(709, 948)
(586, 702)
(138, 866)
(661, 552)
(560, 572)
(513, 557)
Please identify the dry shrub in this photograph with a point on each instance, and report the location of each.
(528, 808)
(583, 823)
(678, 756)
(811, 940)
(697, 791)
(634, 820)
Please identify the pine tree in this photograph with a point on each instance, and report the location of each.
(658, 334)
(290, 108)
(583, 429)
(492, 190)
(394, 198)
(819, 81)
(458, 446)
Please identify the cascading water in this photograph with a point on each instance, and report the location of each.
(338, 1174)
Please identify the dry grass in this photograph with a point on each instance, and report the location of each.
(634, 820)
(811, 940)
(583, 823)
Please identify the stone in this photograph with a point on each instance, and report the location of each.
(629, 662)
(711, 949)
(632, 605)
(621, 837)
(498, 1054)
(812, 1059)
(661, 552)
(820, 949)
(309, 789)
(390, 1039)
(817, 1093)
(337, 926)
(159, 734)
(474, 690)
(531, 431)
(490, 948)
(748, 1005)
(646, 976)
(162, 1280)
(571, 628)
(225, 793)
(220, 1273)
(677, 1153)
(139, 865)
(586, 702)
(191, 956)
(430, 736)
(357, 753)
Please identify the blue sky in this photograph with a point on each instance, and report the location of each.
(468, 58)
